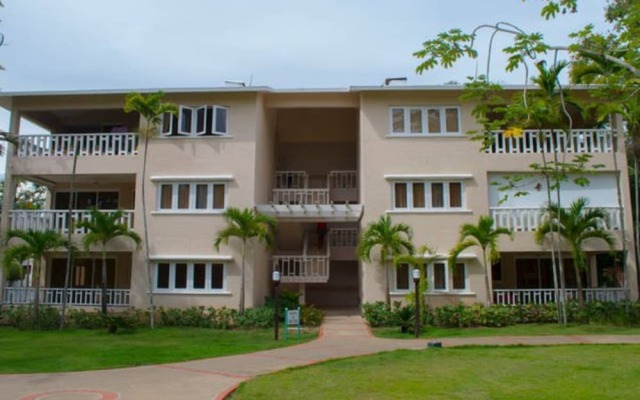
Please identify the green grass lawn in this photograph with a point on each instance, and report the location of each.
(470, 373)
(515, 330)
(78, 350)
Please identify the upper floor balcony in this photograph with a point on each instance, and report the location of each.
(333, 197)
(58, 220)
(84, 144)
(527, 219)
(548, 141)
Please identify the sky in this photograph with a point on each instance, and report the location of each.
(135, 44)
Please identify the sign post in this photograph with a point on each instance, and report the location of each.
(291, 318)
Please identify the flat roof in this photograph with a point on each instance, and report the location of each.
(266, 89)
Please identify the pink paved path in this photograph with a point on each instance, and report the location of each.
(342, 336)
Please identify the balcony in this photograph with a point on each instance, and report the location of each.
(526, 219)
(87, 144)
(75, 297)
(343, 242)
(336, 198)
(534, 141)
(544, 296)
(302, 268)
(57, 220)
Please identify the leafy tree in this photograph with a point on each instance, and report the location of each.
(388, 240)
(485, 236)
(102, 227)
(35, 244)
(245, 225)
(576, 225)
(152, 108)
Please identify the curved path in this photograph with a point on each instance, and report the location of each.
(341, 336)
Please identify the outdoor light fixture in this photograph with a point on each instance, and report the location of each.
(416, 283)
(275, 277)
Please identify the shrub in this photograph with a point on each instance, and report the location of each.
(311, 316)
(378, 314)
(255, 318)
(403, 316)
(84, 319)
(21, 317)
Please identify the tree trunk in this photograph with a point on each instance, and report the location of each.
(146, 234)
(636, 202)
(104, 279)
(242, 274)
(554, 266)
(563, 294)
(580, 294)
(36, 301)
(387, 295)
(487, 281)
(67, 272)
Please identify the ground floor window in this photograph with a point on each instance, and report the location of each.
(440, 277)
(194, 277)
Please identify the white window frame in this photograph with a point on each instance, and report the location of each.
(448, 279)
(171, 119)
(194, 132)
(406, 132)
(395, 280)
(190, 268)
(191, 208)
(215, 118)
(428, 195)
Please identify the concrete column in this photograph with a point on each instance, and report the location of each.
(9, 194)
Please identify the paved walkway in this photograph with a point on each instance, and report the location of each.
(341, 336)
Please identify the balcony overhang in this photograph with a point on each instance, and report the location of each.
(313, 212)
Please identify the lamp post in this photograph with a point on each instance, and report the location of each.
(416, 284)
(276, 306)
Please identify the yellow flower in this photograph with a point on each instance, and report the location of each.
(513, 132)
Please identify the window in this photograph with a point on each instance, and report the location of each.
(190, 277)
(402, 277)
(440, 278)
(425, 195)
(189, 197)
(424, 121)
(196, 121)
(459, 277)
(86, 200)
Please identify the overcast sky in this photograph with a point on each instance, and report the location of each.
(128, 44)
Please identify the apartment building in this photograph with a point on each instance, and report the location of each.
(324, 163)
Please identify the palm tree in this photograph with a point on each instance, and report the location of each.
(152, 109)
(35, 245)
(390, 240)
(485, 236)
(101, 228)
(245, 225)
(576, 225)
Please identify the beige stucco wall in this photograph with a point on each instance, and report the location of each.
(316, 132)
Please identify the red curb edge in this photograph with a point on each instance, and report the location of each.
(226, 393)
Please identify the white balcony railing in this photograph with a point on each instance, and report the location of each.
(301, 196)
(527, 219)
(544, 296)
(75, 297)
(42, 220)
(343, 237)
(343, 180)
(300, 268)
(534, 141)
(291, 180)
(87, 144)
